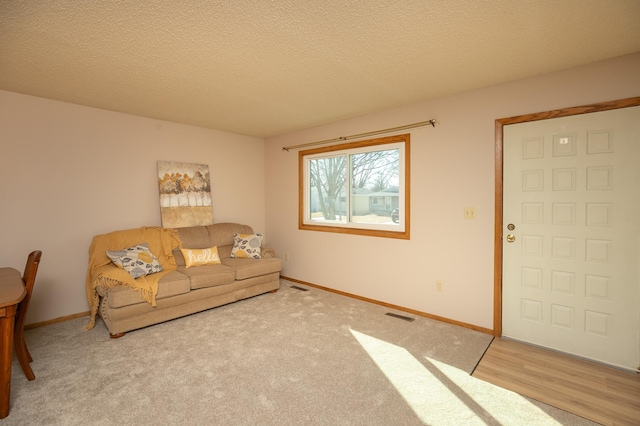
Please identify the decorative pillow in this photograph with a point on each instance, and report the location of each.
(138, 260)
(246, 245)
(199, 257)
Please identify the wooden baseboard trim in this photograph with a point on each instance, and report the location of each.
(56, 320)
(389, 305)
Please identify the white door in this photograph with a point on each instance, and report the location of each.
(571, 235)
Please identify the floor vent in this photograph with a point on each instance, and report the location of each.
(299, 288)
(402, 317)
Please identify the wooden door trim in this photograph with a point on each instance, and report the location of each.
(499, 164)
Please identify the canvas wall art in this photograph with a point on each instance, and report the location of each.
(185, 194)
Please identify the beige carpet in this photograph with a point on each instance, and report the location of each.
(290, 358)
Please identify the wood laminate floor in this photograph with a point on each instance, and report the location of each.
(596, 392)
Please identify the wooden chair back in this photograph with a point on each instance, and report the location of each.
(29, 278)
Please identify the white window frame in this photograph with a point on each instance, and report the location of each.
(399, 230)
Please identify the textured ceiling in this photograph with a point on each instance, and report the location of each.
(263, 68)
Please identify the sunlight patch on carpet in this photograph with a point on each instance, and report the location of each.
(441, 394)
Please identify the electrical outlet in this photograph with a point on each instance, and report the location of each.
(439, 285)
(286, 256)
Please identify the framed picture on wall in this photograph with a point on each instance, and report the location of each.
(185, 194)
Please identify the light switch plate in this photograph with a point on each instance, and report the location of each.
(469, 212)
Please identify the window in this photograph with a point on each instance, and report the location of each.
(356, 188)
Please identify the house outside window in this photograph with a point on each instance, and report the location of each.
(355, 187)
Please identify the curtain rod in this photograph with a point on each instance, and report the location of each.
(431, 123)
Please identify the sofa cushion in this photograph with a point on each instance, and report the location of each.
(209, 275)
(172, 284)
(221, 234)
(224, 251)
(193, 237)
(249, 268)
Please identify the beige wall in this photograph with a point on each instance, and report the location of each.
(452, 167)
(69, 172)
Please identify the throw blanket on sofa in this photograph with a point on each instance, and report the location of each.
(102, 272)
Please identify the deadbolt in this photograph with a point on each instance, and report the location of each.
(511, 238)
(511, 227)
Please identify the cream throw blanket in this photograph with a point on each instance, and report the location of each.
(102, 272)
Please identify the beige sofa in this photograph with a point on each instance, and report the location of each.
(187, 290)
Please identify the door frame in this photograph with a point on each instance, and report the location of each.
(499, 164)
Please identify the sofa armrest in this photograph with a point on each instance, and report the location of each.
(267, 252)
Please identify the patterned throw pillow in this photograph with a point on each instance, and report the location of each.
(138, 260)
(199, 257)
(246, 245)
